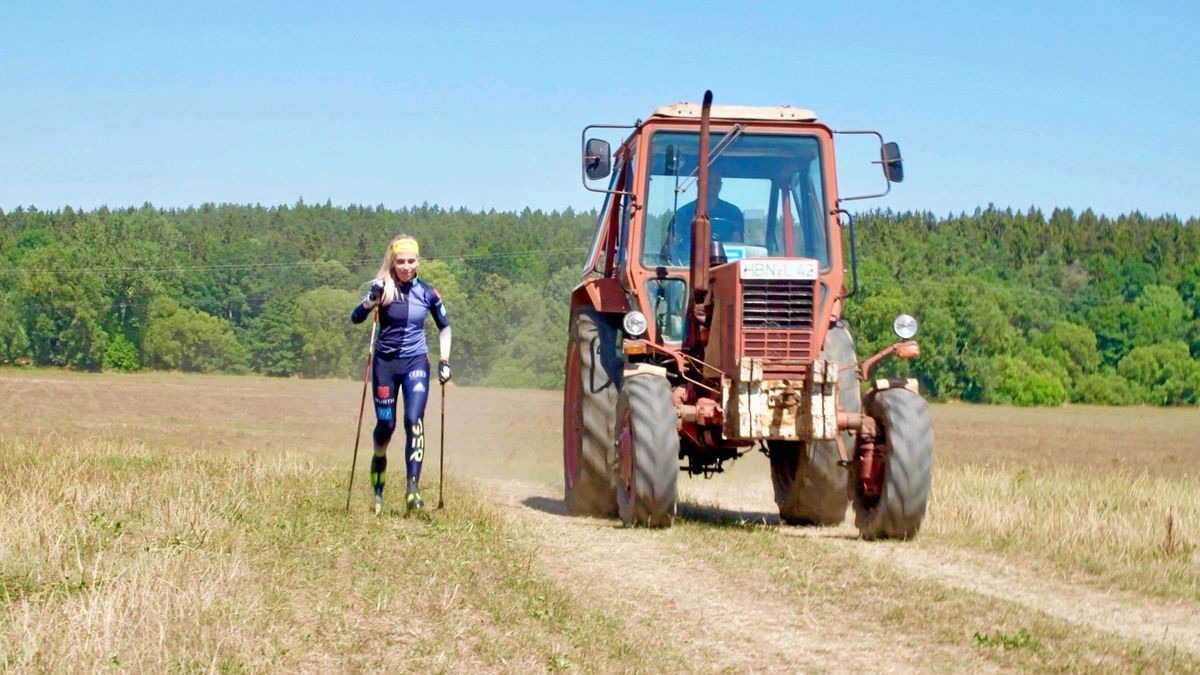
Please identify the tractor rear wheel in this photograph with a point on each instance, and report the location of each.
(810, 485)
(647, 452)
(589, 408)
(906, 441)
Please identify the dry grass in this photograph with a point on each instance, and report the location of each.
(487, 430)
(117, 556)
(1112, 493)
(1137, 532)
(1077, 440)
(174, 411)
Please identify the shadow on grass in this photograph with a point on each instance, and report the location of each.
(556, 507)
(711, 514)
(717, 516)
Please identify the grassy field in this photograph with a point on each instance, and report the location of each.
(1112, 493)
(168, 522)
(117, 556)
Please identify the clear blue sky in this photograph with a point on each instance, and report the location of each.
(480, 105)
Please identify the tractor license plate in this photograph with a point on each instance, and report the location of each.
(778, 269)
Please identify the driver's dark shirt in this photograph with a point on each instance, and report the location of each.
(728, 223)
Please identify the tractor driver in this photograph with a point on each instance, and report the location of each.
(726, 221)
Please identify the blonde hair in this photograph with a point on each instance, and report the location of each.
(385, 269)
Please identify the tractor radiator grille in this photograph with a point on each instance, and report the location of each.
(777, 304)
(777, 323)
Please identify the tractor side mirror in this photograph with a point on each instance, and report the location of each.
(893, 165)
(597, 159)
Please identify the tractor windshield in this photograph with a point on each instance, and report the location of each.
(765, 198)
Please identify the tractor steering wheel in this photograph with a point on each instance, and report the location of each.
(679, 250)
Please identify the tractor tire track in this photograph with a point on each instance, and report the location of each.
(718, 621)
(1122, 613)
(1174, 625)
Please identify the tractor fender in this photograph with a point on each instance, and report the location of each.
(605, 294)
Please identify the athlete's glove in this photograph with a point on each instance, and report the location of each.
(374, 293)
(443, 371)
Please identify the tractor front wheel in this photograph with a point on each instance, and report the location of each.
(810, 486)
(905, 444)
(647, 452)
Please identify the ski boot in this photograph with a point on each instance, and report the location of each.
(378, 471)
(379, 500)
(412, 498)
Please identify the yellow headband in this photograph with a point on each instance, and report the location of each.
(405, 246)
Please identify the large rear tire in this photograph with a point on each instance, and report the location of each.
(810, 485)
(589, 408)
(907, 431)
(647, 472)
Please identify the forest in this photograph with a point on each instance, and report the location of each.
(1015, 307)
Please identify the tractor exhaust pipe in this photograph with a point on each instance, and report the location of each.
(701, 233)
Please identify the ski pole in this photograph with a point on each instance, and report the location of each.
(442, 450)
(362, 406)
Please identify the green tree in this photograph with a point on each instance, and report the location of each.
(1113, 323)
(188, 339)
(121, 354)
(480, 327)
(1104, 388)
(442, 277)
(1019, 382)
(1072, 346)
(14, 344)
(60, 303)
(533, 352)
(330, 346)
(1163, 374)
(1189, 290)
(330, 273)
(1160, 316)
(274, 340)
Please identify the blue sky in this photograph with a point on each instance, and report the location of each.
(480, 105)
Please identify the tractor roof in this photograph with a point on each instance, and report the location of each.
(738, 112)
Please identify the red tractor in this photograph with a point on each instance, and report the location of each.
(710, 323)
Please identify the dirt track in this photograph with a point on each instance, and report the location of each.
(729, 618)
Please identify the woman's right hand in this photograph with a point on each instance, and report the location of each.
(373, 295)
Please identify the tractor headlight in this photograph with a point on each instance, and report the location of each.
(634, 323)
(905, 326)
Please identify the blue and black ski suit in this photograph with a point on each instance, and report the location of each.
(400, 367)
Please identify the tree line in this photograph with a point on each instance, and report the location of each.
(1015, 307)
